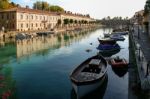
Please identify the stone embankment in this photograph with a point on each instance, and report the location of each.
(12, 34)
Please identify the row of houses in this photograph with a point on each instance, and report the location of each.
(142, 20)
(25, 19)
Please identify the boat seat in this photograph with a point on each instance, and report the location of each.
(94, 63)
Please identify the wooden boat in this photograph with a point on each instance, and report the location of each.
(106, 34)
(107, 41)
(21, 36)
(96, 94)
(120, 71)
(118, 62)
(109, 53)
(117, 37)
(120, 33)
(108, 47)
(89, 75)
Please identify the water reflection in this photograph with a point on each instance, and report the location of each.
(5, 42)
(110, 53)
(120, 71)
(97, 94)
(51, 42)
(7, 84)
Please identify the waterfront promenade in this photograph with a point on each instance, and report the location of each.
(141, 45)
(12, 34)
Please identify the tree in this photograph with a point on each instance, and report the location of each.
(4, 4)
(71, 21)
(75, 21)
(59, 22)
(41, 5)
(85, 22)
(82, 21)
(66, 21)
(55, 8)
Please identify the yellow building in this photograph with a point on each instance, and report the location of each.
(24, 19)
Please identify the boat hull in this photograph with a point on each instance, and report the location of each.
(121, 64)
(107, 41)
(82, 90)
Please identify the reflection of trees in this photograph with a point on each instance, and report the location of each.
(7, 52)
(42, 45)
(7, 84)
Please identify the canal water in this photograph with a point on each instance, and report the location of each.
(39, 68)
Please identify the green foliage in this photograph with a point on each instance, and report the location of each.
(75, 21)
(71, 21)
(55, 8)
(43, 5)
(66, 21)
(59, 21)
(4, 4)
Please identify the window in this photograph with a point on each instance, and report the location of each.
(27, 25)
(22, 25)
(7, 16)
(32, 25)
(13, 25)
(21, 16)
(37, 17)
(13, 16)
(27, 17)
(36, 25)
(32, 16)
(2, 16)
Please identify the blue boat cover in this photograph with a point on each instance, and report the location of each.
(108, 47)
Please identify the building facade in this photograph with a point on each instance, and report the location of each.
(25, 19)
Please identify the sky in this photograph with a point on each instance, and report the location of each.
(96, 8)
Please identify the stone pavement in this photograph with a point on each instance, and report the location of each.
(142, 52)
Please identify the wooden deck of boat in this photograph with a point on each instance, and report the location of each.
(89, 76)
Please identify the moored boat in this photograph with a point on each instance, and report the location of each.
(21, 36)
(109, 53)
(120, 33)
(117, 37)
(120, 71)
(106, 34)
(107, 41)
(108, 47)
(89, 75)
(118, 62)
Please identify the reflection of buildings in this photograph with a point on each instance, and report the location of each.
(7, 50)
(3, 41)
(29, 46)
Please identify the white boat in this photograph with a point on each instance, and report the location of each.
(89, 75)
(21, 36)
